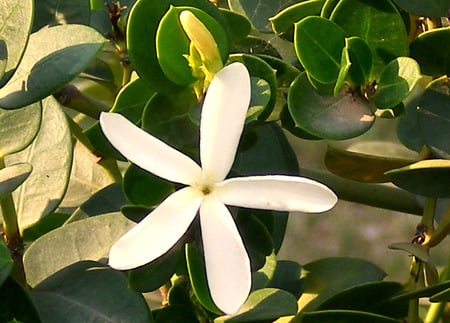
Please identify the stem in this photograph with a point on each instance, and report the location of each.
(436, 309)
(442, 229)
(12, 234)
(377, 195)
(416, 277)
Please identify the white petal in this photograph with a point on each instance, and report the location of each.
(222, 121)
(158, 232)
(276, 192)
(148, 152)
(227, 263)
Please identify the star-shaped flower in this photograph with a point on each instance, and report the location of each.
(207, 191)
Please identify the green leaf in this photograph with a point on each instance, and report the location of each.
(431, 50)
(361, 60)
(414, 249)
(239, 25)
(343, 316)
(172, 44)
(343, 71)
(259, 101)
(379, 24)
(263, 304)
(155, 274)
(131, 100)
(88, 239)
(176, 313)
(318, 43)
(51, 157)
(342, 117)
(67, 296)
(259, 12)
(433, 117)
(16, 18)
(197, 276)
(13, 176)
(100, 143)
(430, 8)
(54, 12)
(428, 291)
(428, 178)
(142, 24)
(47, 224)
(328, 8)
(54, 56)
(3, 58)
(396, 82)
(6, 263)
(288, 277)
(283, 22)
(143, 188)
(18, 128)
(262, 277)
(16, 304)
(443, 296)
(328, 276)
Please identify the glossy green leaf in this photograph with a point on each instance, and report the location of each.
(88, 239)
(131, 100)
(288, 277)
(360, 58)
(16, 18)
(318, 43)
(259, 12)
(343, 71)
(142, 24)
(100, 143)
(197, 276)
(343, 316)
(262, 277)
(16, 304)
(379, 24)
(430, 8)
(155, 274)
(13, 176)
(328, 8)
(143, 188)
(52, 12)
(173, 118)
(260, 99)
(428, 178)
(66, 296)
(431, 50)
(428, 291)
(342, 117)
(172, 44)
(240, 27)
(433, 117)
(396, 82)
(44, 225)
(51, 157)
(443, 296)
(263, 304)
(135, 213)
(18, 128)
(258, 68)
(370, 297)
(283, 22)
(366, 162)
(54, 56)
(325, 277)
(6, 263)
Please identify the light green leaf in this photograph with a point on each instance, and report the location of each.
(318, 44)
(89, 292)
(16, 18)
(263, 304)
(51, 157)
(19, 127)
(396, 82)
(88, 239)
(13, 176)
(54, 56)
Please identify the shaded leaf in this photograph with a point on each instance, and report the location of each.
(13, 176)
(343, 316)
(287, 277)
(360, 58)
(53, 12)
(6, 263)
(413, 249)
(430, 8)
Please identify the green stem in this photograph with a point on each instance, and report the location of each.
(416, 278)
(436, 309)
(377, 195)
(442, 229)
(12, 235)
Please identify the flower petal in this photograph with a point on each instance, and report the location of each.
(276, 192)
(222, 121)
(227, 263)
(158, 232)
(148, 152)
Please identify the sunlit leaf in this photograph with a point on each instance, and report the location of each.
(13, 176)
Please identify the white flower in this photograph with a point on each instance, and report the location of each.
(207, 191)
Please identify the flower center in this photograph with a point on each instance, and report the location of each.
(206, 189)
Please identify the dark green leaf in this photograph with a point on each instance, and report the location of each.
(328, 8)
(264, 304)
(54, 56)
(176, 313)
(47, 224)
(360, 58)
(343, 71)
(52, 12)
(16, 18)
(318, 44)
(6, 263)
(3, 58)
(88, 292)
(239, 25)
(287, 277)
(13, 176)
(16, 304)
(342, 117)
(379, 24)
(430, 8)
(88, 239)
(343, 316)
(412, 249)
(100, 143)
(262, 277)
